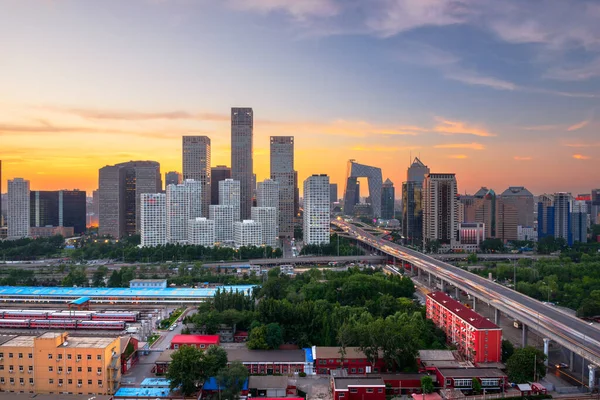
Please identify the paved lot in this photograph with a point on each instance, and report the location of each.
(315, 387)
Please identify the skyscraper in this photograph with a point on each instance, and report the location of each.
(223, 217)
(579, 221)
(196, 165)
(412, 202)
(388, 199)
(242, 151)
(595, 206)
(522, 199)
(333, 193)
(65, 208)
(247, 233)
(18, 209)
(267, 194)
(562, 216)
(282, 172)
(172, 178)
(217, 174)
(316, 209)
(440, 219)
(153, 211)
(229, 195)
(184, 203)
(267, 216)
(352, 191)
(201, 232)
(545, 215)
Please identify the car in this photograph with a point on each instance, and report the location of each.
(172, 328)
(561, 365)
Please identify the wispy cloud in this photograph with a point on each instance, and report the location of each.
(128, 115)
(475, 78)
(448, 127)
(581, 157)
(301, 9)
(470, 146)
(382, 149)
(458, 156)
(523, 158)
(541, 127)
(578, 126)
(583, 145)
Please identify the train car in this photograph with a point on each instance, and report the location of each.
(53, 324)
(14, 323)
(79, 315)
(101, 325)
(127, 316)
(25, 314)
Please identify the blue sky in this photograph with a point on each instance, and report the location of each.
(500, 92)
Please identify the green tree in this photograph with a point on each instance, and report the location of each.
(476, 386)
(99, 275)
(472, 258)
(274, 336)
(215, 359)
(507, 350)
(492, 246)
(115, 279)
(257, 339)
(232, 380)
(427, 384)
(186, 370)
(526, 365)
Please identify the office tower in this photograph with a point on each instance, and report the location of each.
(43, 208)
(59, 208)
(388, 198)
(184, 202)
(375, 181)
(507, 217)
(95, 207)
(173, 178)
(247, 233)
(267, 217)
(223, 217)
(201, 232)
(296, 199)
(18, 209)
(120, 188)
(253, 186)
(217, 174)
(522, 200)
(267, 194)
(467, 208)
(316, 209)
(545, 215)
(242, 167)
(333, 193)
(595, 206)
(229, 195)
(196, 165)
(154, 219)
(412, 202)
(562, 216)
(485, 210)
(440, 219)
(579, 221)
(1, 208)
(282, 172)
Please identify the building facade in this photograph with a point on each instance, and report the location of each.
(184, 202)
(247, 233)
(562, 216)
(316, 210)
(267, 217)
(173, 178)
(230, 195)
(579, 221)
(545, 216)
(412, 202)
(223, 217)
(440, 211)
(333, 193)
(18, 212)
(242, 156)
(61, 208)
(201, 232)
(521, 199)
(217, 174)
(154, 219)
(196, 165)
(358, 388)
(198, 341)
(470, 236)
(388, 199)
(351, 194)
(282, 172)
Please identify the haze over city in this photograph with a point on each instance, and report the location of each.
(497, 94)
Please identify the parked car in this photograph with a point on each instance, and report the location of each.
(561, 365)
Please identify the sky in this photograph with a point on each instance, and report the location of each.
(502, 93)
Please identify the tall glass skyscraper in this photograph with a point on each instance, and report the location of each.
(282, 172)
(242, 166)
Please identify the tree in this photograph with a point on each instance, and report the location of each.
(472, 258)
(274, 336)
(427, 384)
(526, 365)
(99, 275)
(186, 370)
(232, 380)
(476, 386)
(257, 339)
(507, 350)
(492, 246)
(215, 359)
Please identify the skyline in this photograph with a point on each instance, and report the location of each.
(508, 102)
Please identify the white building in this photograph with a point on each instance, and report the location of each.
(223, 218)
(440, 209)
(229, 195)
(201, 232)
(316, 210)
(184, 202)
(526, 233)
(247, 233)
(153, 219)
(17, 217)
(470, 236)
(267, 216)
(267, 194)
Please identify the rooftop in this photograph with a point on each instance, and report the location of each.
(334, 352)
(81, 300)
(154, 393)
(516, 191)
(347, 382)
(147, 280)
(436, 355)
(268, 382)
(165, 356)
(406, 376)
(23, 396)
(155, 382)
(19, 341)
(89, 342)
(466, 314)
(211, 384)
(245, 355)
(195, 339)
(471, 373)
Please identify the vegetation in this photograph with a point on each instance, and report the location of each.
(476, 386)
(231, 380)
(427, 384)
(346, 248)
(526, 365)
(31, 249)
(191, 366)
(508, 350)
(167, 322)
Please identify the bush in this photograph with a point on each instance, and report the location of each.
(302, 374)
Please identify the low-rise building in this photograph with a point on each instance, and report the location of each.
(470, 236)
(270, 386)
(212, 388)
(358, 388)
(148, 284)
(199, 341)
(400, 384)
(354, 361)
(491, 379)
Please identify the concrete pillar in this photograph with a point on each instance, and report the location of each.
(443, 286)
(592, 376)
(474, 304)
(419, 272)
(457, 294)
(524, 335)
(429, 279)
(572, 360)
(497, 317)
(546, 350)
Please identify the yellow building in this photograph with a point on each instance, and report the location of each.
(55, 363)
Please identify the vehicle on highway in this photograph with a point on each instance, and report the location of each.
(517, 324)
(561, 365)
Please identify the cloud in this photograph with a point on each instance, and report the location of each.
(541, 127)
(458, 156)
(578, 126)
(382, 149)
(448, 127)
(521, 158)
(127, 115)
(298, 9)
(581, 157)
(579, 72)
(474, 78)
(582, 145)
(470, 146)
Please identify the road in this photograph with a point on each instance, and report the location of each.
(303, 260)
(567, 330)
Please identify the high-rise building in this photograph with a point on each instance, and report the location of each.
(545, 216)
(196, 165)
(229, 195)
(388, 199)
(43, 208)
(184, 202)
(333, 193)
(18, 209)
(253, 186)
(375, 181)
(282, 172)
(201, 232)
(412, 202)
(154, 219)
(316, 209)
(562, 216)
(507, 217)
(172, 178)
(223, 217)
(521, 199)
(467, 205)
(120, 188)
(60, 208)
(267, 217)
(217, 174)
(95, 207)
(595, 206)
(247, 233)
(242, 167)
(579, 221)
(1, 207)
(440, 217)
(267, 195)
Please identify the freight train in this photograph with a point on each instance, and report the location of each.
(127, 316)
(70, 324)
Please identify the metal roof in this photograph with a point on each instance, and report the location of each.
(195, 339)
(155, 393)
(211, 384)
(469, 316)
(81, 300)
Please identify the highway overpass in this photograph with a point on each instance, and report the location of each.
(490, 257)
(304, 260)
(566, 330)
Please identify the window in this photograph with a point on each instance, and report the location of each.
(463, 382)
(21, 369)
(89, 356)
(78, 357)
(31, 381)
(12, 381)
(10, 369)
(99, 382)
(2, 379)
(60, 381)
(30, 355)
(79, 381)
(69, 356)
(10, 355)
(202, 346)
(369, 390)
(89, 369)
(49, 356)
(489, 382)
(1, 367)
(31, 368)
(342, 395)
(380, 390)
(69, 369)
(51, 381)
(59, 356)
(99, 370)
(353, 390)
(20, 355)
(79, 369)
(99, 357)
(89, 381)
(353, 370)
(70, 381)
(448, 382)
(322, 362)
(330, 361)
(50, 368)
(60, 369)
(360, 370)
(21, 380)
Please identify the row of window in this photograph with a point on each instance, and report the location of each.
(69, 356)
(369, 390)
(70, 382)
(20, 355)
(339, 361)
(12, 381)
(51, 369)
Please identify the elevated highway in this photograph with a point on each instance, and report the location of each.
(303, 260)
(566, 330)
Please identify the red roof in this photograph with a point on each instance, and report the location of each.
(241, 333)
(196, 339)
(466, 314)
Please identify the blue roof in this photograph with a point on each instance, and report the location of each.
(116, 292)
(211, 384)
(155, 382)
(309, 355)
(155, 393)
(80, 300)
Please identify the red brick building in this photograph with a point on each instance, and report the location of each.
(478, 339)
(404, 383)
(358, 388)
(329, 358)
(199, 341)
(491, 379)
